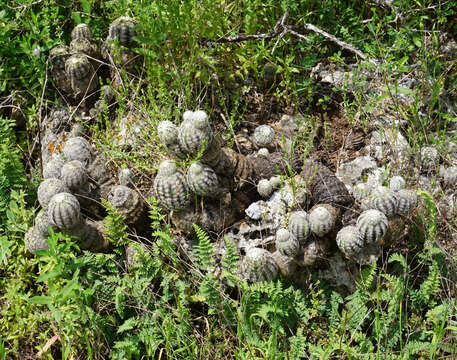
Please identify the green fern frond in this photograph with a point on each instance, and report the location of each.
(115, 226)
(204, 249)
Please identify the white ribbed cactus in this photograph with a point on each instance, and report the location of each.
(384, 200)
(286, 243)
(64, 211)
(263, 135)
(264, 188)
(450, 176)
(397, 183)
(74, 176)
(349, 241)
(78, 148)
(34, 241)
(202, 179)
(81, 31)
(81, 73)
(195, 133)
(322, 219)
(407, 201)
(299, 226)
(42, 224)
(259, 265)
(171, 187)
(275, 182)
(48, 188)
(361, 191)
(429, 158)
(372, 225)
(127, 202)
(53, 167)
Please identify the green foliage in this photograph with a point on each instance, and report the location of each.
(12, 176)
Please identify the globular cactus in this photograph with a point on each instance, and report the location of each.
(397, 183)
(286, 243)
(322, 219)
(81, 31)
(48, 188)
(313, 251)
(202, 180)
(450, 176)
(259, 265)
(42, 224)
(82, 74)
(86, 47)
(123, 30)
(59, 120)
(57, 58)
(74, 176)
(429, 158)
(90, 235)
(263, 152)
(361, 191)
(126, 177)
(276, 182)
(372, 225)
(349, 241)
(407, 201)
(127, 202)
(263, 135)
(53, 167)
(168, 135)
(384, 200)
(64, 211)
(195, 132)
(264, 188)
(78, 148)
(299, 226)
(171, 187)
(34, 241)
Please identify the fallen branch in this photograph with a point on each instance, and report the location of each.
(281, 29)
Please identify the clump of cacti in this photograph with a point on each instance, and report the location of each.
(171, 187)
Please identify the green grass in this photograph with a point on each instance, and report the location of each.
(167, 306)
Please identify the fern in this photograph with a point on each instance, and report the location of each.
(230, 262)
(204, 249)
(115, 226)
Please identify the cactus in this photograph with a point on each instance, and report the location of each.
(34, 241)
(259, 265)
(276, 182)
(263, 152)
(384, 200)
(202, 179)
(264, 188)
(397, 183)
(286, 243)
(91, 236)
(361, 191)
(74, 175)
(127, 202)
(42, 224)
(48, 188)
(349, 241)
(126, 177)
(168, 135)
(81, 31)
(64, 211)
(299, 226)
(53, 167)
(78, 148)
(123, 30)
(372, 225)
(57, 58)
(263, 135)
(171, 187)
(195, 133)
(82, 74)
(407, 201)
(322, 219)
(59, 120)
(429, 158)
(86, 47)
(450, 176)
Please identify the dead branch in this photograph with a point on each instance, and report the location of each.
(281, 29)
